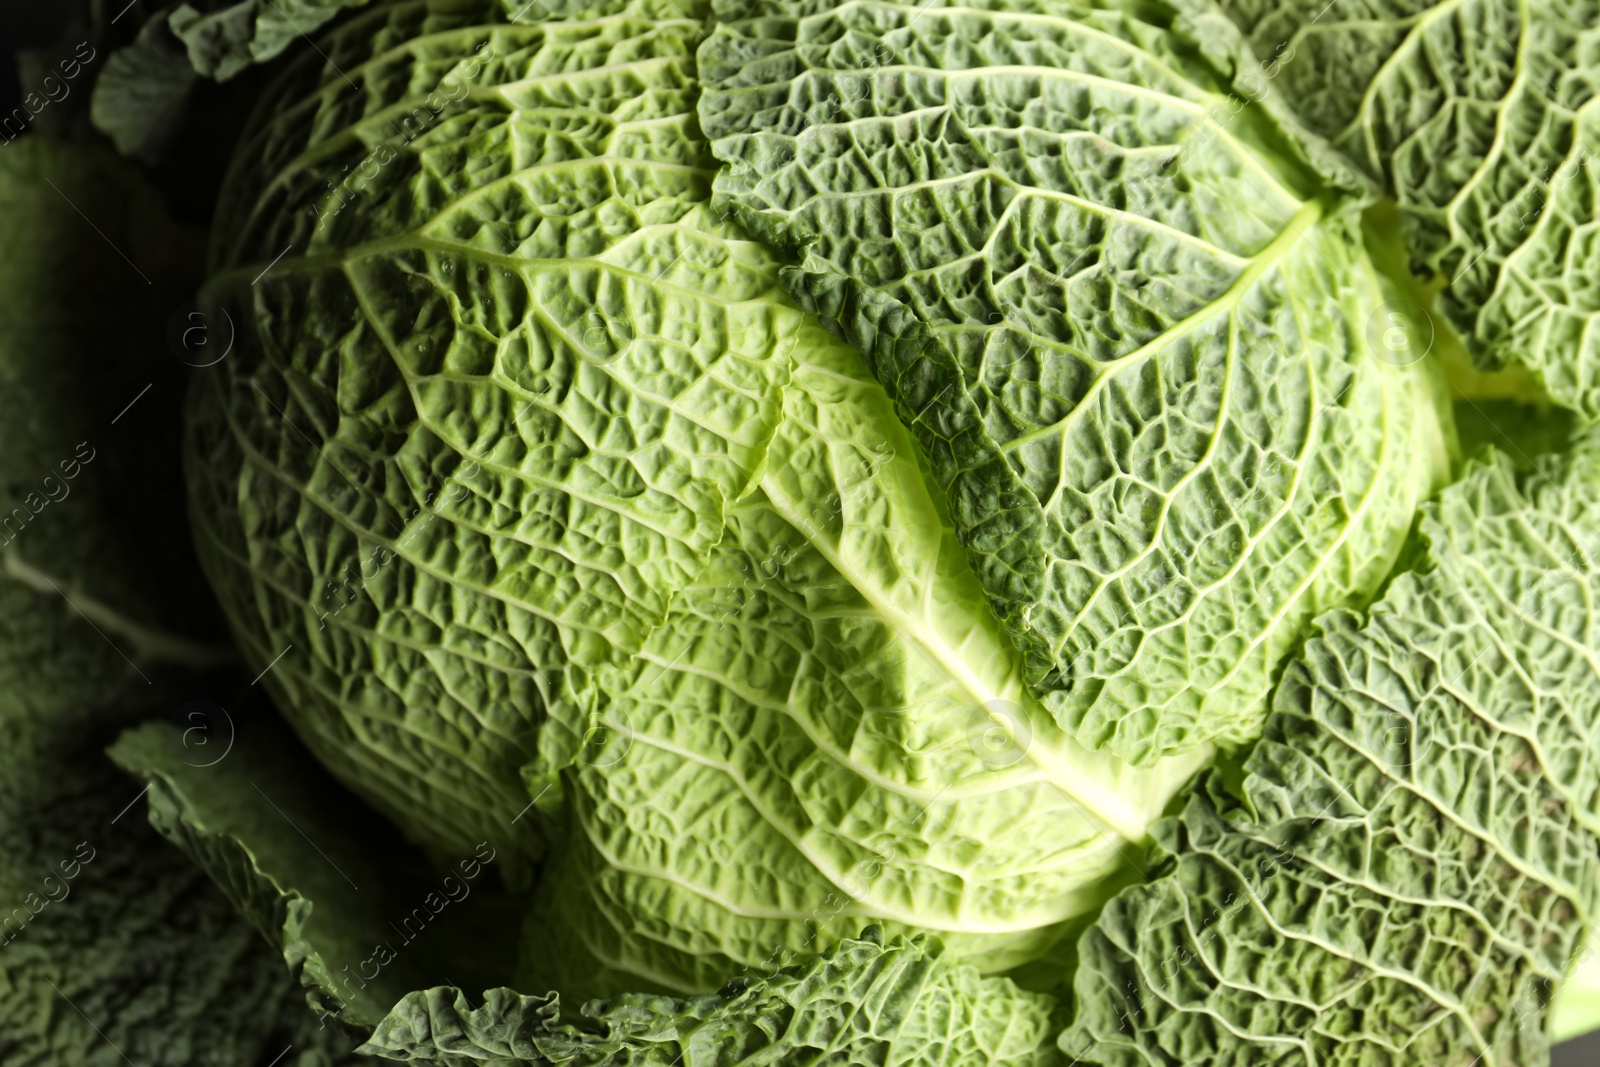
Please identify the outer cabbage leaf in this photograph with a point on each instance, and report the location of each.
(1133, 340)
(283, 845)
(358, 915)
(112, 947)
(1413, 869)
(472, 440)
(224, 37)
(141, 96)
(92, 258)
(864, 1002)
(1481, 120)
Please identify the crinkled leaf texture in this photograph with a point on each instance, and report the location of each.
(552, 521)
(225, 37)
(113, 948)
(1410, 872)
(865, 1001)
(290, 854)
(1482, 121)
(1136, 348)
(473, 442)
(1414, 865)
(141, 97)
(358, 916)
(532, 487)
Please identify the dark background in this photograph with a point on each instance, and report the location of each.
(25, 23)
(28, 23)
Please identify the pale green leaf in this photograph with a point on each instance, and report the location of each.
(1414, 866)
(1482, 121)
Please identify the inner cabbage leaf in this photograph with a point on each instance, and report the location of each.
(830, 729)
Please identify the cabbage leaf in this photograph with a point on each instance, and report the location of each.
(112, 946)
(1412, 865)
(1482, 122)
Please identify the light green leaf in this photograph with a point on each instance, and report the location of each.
(1413, 868)
(830, 729)
(865, 1002)
(1482, 121)
(486, 418)
(1135, 341)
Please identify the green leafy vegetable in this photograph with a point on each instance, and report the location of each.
(864, 1001)
(357, 916)
(1482, 122)
(111, 946)
(1032, 532)
(666, 532)
(1414, 862)
(144, 92)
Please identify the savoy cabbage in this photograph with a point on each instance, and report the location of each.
(1024, 531)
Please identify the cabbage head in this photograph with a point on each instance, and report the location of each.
(983, 475)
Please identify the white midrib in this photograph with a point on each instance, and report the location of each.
(1078, 783)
